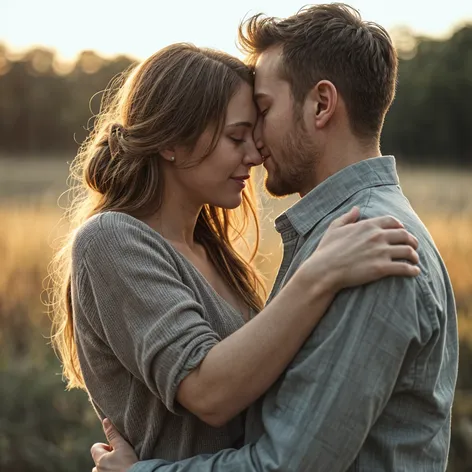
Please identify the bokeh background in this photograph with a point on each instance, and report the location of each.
(56, 57)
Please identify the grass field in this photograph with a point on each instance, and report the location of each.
(29, 215)
(29, 211)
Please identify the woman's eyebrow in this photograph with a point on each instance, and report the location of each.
(246, 124)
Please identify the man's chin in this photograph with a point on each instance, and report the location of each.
(276, 188)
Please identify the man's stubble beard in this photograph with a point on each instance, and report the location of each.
(297, 157)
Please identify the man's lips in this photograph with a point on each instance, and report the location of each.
(264, 159)
(241, 177)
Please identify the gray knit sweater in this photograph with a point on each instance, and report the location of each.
(144, 318)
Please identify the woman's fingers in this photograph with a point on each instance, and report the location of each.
(406, 253)
(401, 236)
(350, 217)
(385, 222)
(402, 269)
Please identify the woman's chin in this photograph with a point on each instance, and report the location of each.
(229, 203)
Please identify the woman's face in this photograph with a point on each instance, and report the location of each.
(220, 178)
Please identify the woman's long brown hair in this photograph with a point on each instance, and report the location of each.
(170, 99)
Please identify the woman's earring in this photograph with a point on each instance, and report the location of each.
(172, 158)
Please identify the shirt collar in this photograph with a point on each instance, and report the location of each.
(335, 190)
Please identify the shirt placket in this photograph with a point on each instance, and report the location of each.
(290, 239)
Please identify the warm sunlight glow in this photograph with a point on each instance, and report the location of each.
(141, 27)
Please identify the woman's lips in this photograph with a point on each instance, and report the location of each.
(241, 180)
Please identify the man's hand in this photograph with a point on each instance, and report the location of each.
(118, 456)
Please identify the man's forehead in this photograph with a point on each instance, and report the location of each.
(268, 67)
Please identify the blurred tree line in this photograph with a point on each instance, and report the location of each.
(46, 104)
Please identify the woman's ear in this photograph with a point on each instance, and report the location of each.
(168, 155)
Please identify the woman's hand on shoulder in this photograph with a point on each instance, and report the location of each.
(353, 252)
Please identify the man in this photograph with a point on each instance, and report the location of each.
(372, 388)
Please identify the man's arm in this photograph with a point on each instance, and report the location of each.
(318, 415)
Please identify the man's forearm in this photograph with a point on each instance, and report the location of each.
(228, 460)
(319, 416)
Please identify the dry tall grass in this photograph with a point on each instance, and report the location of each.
(29, 226)
(57, 427)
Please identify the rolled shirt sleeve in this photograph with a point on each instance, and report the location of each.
(150, 319)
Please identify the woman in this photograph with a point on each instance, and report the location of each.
(158, 293)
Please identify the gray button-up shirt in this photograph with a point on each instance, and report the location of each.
(372, 387)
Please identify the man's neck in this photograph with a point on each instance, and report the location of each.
(338, 157)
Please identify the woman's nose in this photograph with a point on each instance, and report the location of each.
(258, 134)
(253, 157)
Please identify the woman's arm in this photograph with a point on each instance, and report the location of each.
(237, 370)
(374, 259)
(133, 299)
(240, 368)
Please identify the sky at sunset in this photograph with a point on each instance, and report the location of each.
(139, 28)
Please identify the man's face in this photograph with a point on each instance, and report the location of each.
(288, 147)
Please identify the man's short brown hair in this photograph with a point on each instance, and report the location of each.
(331, 42)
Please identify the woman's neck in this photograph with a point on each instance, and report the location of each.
(176, 219)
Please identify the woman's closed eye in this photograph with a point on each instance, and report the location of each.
(237, 140)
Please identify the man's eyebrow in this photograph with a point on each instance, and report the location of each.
(246, 124)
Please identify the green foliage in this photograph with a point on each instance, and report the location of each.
(46, 108)
(431, 117)
(43, 429)
(460, 457)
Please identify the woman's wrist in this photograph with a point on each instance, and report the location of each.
(318, 280)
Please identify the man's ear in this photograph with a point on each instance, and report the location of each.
(324, 97)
